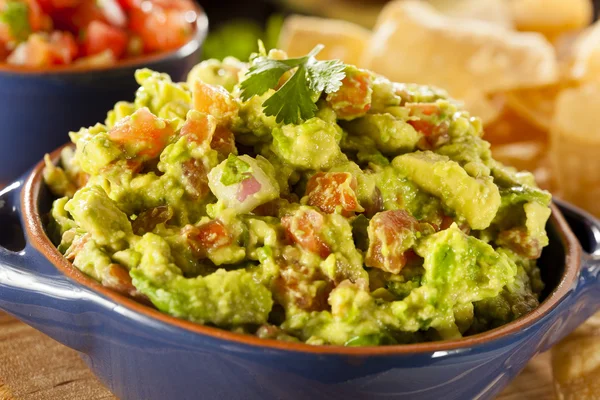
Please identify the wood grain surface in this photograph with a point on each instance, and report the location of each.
(35, 367)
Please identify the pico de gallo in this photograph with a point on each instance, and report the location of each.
(47, 33)
(301, 200)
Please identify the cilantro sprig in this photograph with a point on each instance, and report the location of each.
(295, 100)
(16, 16)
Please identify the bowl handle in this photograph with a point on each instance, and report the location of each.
(31, 289)
(585, 298)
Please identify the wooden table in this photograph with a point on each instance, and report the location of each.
(35, 367)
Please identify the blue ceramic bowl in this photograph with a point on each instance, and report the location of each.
(38, 108)
(140, 353)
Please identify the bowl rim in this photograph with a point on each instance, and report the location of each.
(192, 45)
(37, 238)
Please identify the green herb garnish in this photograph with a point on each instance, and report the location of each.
(295, 100)
(16, 16)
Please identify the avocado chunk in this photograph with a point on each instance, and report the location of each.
(98, 215)
(475, 199)
(311, 145)
(459, 269)
(391, 135)
(224, 298)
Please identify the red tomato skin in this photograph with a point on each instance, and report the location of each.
(304, 228)
(64, 47)
(100, 36)
(329, 190)
(159, 28)
(77, 19)
(391, 227)
(140, 134)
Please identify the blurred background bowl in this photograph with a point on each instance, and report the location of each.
(38, 108)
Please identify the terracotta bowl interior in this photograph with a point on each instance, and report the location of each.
(560, 264)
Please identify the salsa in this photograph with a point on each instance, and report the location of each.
(378, 217)
(46, 33)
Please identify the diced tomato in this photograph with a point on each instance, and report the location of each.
(223, 141)
(270, 209)
(5, 35)
(45, 5)
(303, 228)
(431, 123)
(207, 237)
(446, 221)
(4, 52)
(214, 100)
(76, 19)
(35, 52)
(518, 240)
(330, 190)
(387, 232)
(38, 20)
(420, 109)
(199, 128)
(195, 175)
(38, 51)
(160, 29)
(77, 245)
(148, 219)
(142, 134)
(100, 36)
(64, 47)
(118, 279)
(50, 6)
(424, 125)
(129, 4)
(186, 5)
(302, 287)
(353, 99)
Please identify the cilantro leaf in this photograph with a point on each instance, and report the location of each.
(326, 75)
(16, 16)
(265, 74)
(235, 171)
(262, 76)
(293, 102)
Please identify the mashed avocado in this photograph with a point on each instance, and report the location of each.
(378, 217)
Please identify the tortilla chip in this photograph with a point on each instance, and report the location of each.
(363, 13)
(551, 17)
(521, 155)
(493, 11)
(579, 55)
(535, 104)
(343, 40)
(575, 146)
(576, 363)
(412, 42)
(517, 142)
(527, 156)
(487, 107)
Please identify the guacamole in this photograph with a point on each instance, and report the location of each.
(377, 217)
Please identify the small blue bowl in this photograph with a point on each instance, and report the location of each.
(140, 353)
(39, 107)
